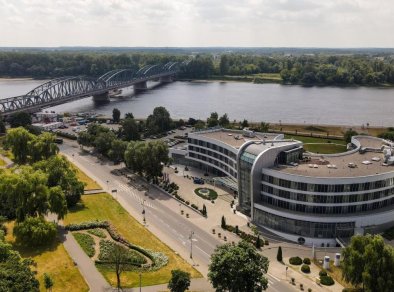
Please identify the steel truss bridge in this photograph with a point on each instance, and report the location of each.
(66, 89)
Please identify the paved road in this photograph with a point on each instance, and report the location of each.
(162, 215)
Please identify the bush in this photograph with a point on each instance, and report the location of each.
(295, 261)
(98, 232)
(305, 269)
(326, 280)
(322, 273)
(86, 242)
(307, 261)
(35, 232)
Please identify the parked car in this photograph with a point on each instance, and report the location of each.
(198, 181)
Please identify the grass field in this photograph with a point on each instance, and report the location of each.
(104, 207)
(89, 183)
(326, 148)
(306, 139)
(55, 261)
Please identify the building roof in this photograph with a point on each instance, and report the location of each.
(353, 163)
(234, 138)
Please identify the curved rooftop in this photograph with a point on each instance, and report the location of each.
(366, 159)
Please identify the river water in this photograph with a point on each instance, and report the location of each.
(254, 102)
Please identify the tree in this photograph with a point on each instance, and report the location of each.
(349, 134)
(18, 140)
(258, 242)
(147, 157)
(264, 127)
(118, 148)
(224, 65)
(48, 282)
(245, 123)
(180, 281)
(238, 268)
(204, 210)
(370, 262)
(35, 232)
(103, 142)
(279, 254)
(129, 116)
(199, 125)
(2, 125)
(61, 173)
(223, 225)
(116, 115)
(118, 258)
(20, 119)
(85, 139)
(16, 274)
(57, 202)
(224, 121)
(130, 130)
(42, 147)
(213, 121)
(159, 122)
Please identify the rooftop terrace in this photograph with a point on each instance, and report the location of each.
(347, 164)
(234, 138)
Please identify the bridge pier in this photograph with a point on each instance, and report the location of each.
(101, 97)
(140, 86)
(166, 79)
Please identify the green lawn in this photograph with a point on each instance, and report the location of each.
(55, 261)
(306, 139)
(104, 207)
(326, 148)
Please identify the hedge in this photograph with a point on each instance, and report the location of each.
(212, 195)
(322, 273)
(305, 269)
(307, 261)
(295, 261)
(326, 280)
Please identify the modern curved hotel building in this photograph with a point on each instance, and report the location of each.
(303, 197)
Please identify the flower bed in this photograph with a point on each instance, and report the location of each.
(98, 232)
(158, 259)
(86, 242)
(132, 257)
(208, 195)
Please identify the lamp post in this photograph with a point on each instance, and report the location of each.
(140, 280)
(191, 244)
(286, 271)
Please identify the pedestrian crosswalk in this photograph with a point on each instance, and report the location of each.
(132, 193)
(272, 280)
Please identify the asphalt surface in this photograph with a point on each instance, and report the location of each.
(162, 214)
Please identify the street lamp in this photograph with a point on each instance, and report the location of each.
(180, 207)
(191, 244)
(286, 271)
(140, 280)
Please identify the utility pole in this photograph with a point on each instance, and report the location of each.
(191, 244)
(140, 280)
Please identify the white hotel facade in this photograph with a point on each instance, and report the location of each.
(302, 197)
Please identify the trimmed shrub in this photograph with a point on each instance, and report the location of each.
(295, 261)
(279, 254)
(86, 242)
(326, 280)
(307, 261)
(323, 273)
(305, 269)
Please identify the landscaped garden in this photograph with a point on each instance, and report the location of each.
(325, 148)
(53, 260)
(206, 193)
(103, 207)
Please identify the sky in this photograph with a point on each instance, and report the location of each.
(197, 23)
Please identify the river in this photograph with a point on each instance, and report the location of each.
(254, 102)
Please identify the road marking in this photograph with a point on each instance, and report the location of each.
(272, 276)
(202, 251)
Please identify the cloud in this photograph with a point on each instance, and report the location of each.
(333, 23)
